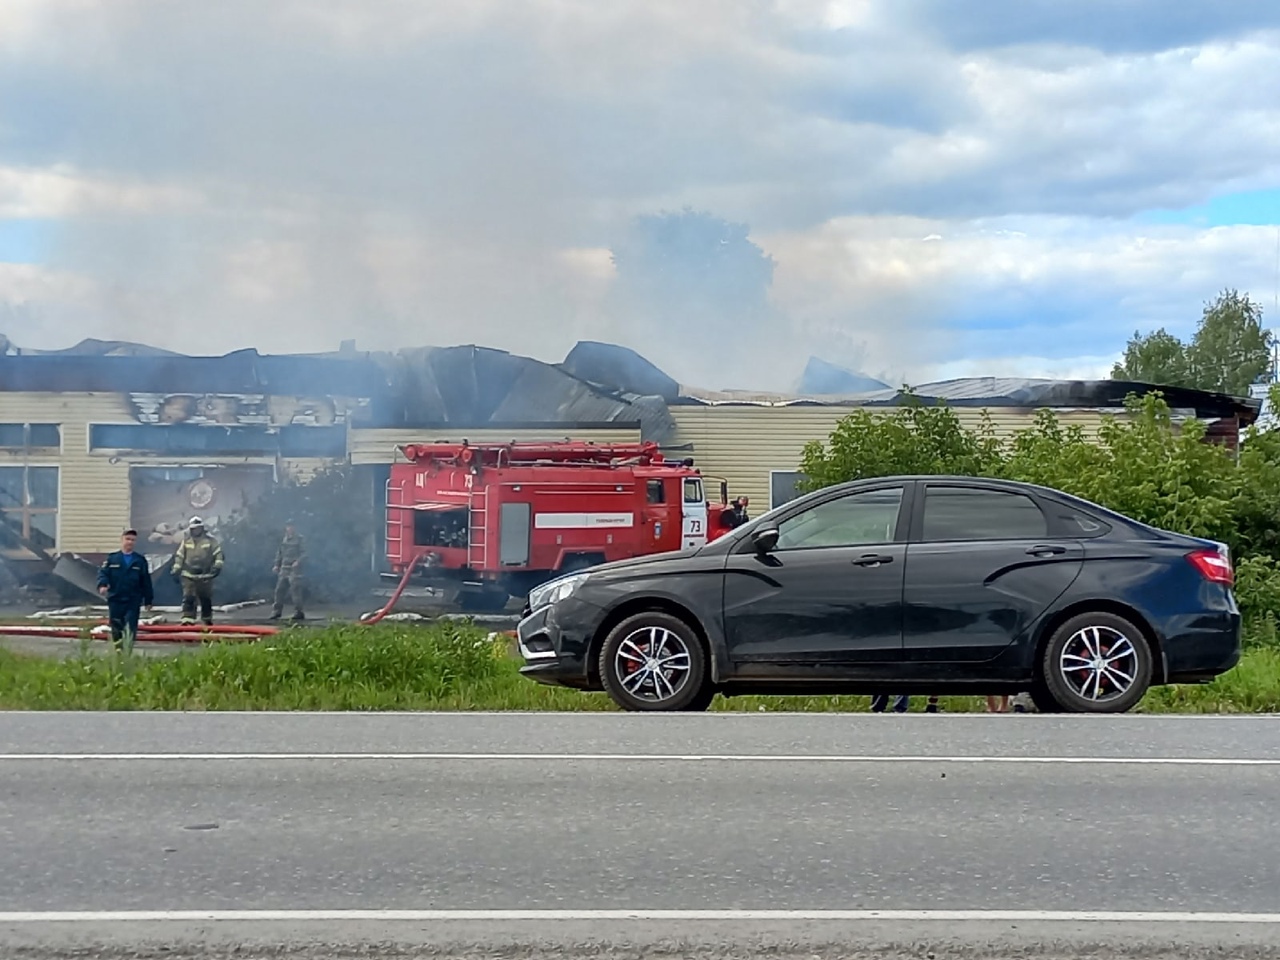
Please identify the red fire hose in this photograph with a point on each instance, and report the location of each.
(404, 582)
(149, 636)
(190, 632)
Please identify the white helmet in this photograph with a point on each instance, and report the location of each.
(195, 522)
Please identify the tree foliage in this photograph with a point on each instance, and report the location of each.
(1229, 352)
(1144, 465)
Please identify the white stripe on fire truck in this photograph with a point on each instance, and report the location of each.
(577, 521)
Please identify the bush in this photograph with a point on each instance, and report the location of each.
(1144, 465)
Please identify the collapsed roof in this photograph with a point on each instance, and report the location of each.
(482, 386)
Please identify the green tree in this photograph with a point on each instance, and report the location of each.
(1231, 350)
(1159, 358)
(914, 438)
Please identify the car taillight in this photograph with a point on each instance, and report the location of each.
(1214, 566)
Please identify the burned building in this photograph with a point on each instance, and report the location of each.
(109, 434)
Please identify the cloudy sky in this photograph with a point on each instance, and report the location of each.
(1006, 187)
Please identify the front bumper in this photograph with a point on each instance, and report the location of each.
(555, 643)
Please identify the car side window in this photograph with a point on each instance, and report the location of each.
(853, 520)
(1077, 524)
(967, 513)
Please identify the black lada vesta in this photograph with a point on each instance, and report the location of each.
(914, 585)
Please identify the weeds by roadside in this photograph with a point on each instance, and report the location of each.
(450, 666)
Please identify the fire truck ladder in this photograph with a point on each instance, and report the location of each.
(479, 530)
(395, 519)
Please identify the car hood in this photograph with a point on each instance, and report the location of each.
(644, 561)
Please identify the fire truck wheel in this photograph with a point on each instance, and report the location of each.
(487, 601)
(653, 661)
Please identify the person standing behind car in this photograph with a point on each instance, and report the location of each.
(288, 571)
(197, 562)
(125, 580)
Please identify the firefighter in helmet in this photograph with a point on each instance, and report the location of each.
(288, 571)
(197, 562)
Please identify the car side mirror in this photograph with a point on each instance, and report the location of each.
(765, 540)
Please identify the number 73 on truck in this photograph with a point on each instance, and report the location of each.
(493, 521)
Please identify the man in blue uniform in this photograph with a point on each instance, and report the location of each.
(125, 580)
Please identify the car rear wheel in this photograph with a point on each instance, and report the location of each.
(653, 661)
(1097, 663)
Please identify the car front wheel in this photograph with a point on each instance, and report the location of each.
(1097, 663)
(653, 661)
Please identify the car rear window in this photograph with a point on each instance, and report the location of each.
(959, 513)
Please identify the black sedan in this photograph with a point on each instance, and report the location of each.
(916, 585)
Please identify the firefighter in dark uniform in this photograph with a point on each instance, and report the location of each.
(288, 571)
(125, 580)
(736, 516)
(198, 562)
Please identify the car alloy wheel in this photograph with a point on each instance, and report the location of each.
(653, 661)
(1097, 663)
(1100, 663)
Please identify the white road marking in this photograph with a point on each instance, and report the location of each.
(953, 916)
(651, 758)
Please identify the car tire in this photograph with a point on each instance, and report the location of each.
(483, 601)
(1043, 699)
(681, 686)
(702, 702)
(1070, 673)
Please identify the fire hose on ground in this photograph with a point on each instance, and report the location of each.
(189, 633)
(147, 632)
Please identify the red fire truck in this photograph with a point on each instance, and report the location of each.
(496, 520)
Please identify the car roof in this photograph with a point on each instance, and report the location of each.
(1021, 485)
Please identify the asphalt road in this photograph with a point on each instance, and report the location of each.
(538, 834)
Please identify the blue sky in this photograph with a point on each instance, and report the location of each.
(1010, 188)
(1258, 207)
(26, 241)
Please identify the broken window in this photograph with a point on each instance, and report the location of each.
(24, 436)
(28, 508)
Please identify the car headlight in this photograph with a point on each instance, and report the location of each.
(555, 591)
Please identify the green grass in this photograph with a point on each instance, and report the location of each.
(447, 666)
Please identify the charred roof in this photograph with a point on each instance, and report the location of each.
(474, 385)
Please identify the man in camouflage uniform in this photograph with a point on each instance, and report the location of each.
(288, 570)
(198, 562)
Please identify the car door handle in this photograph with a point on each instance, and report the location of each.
(1046, 550)
(872, 560)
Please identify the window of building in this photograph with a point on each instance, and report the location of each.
(20, 436)
(784, 486)
(960, 513)
(193, 439)
(852, 520)
(29, 506)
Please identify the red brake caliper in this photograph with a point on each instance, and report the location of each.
(632, 665)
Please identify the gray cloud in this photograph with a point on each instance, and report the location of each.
(410, 172)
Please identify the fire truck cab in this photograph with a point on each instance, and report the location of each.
(496, 520)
